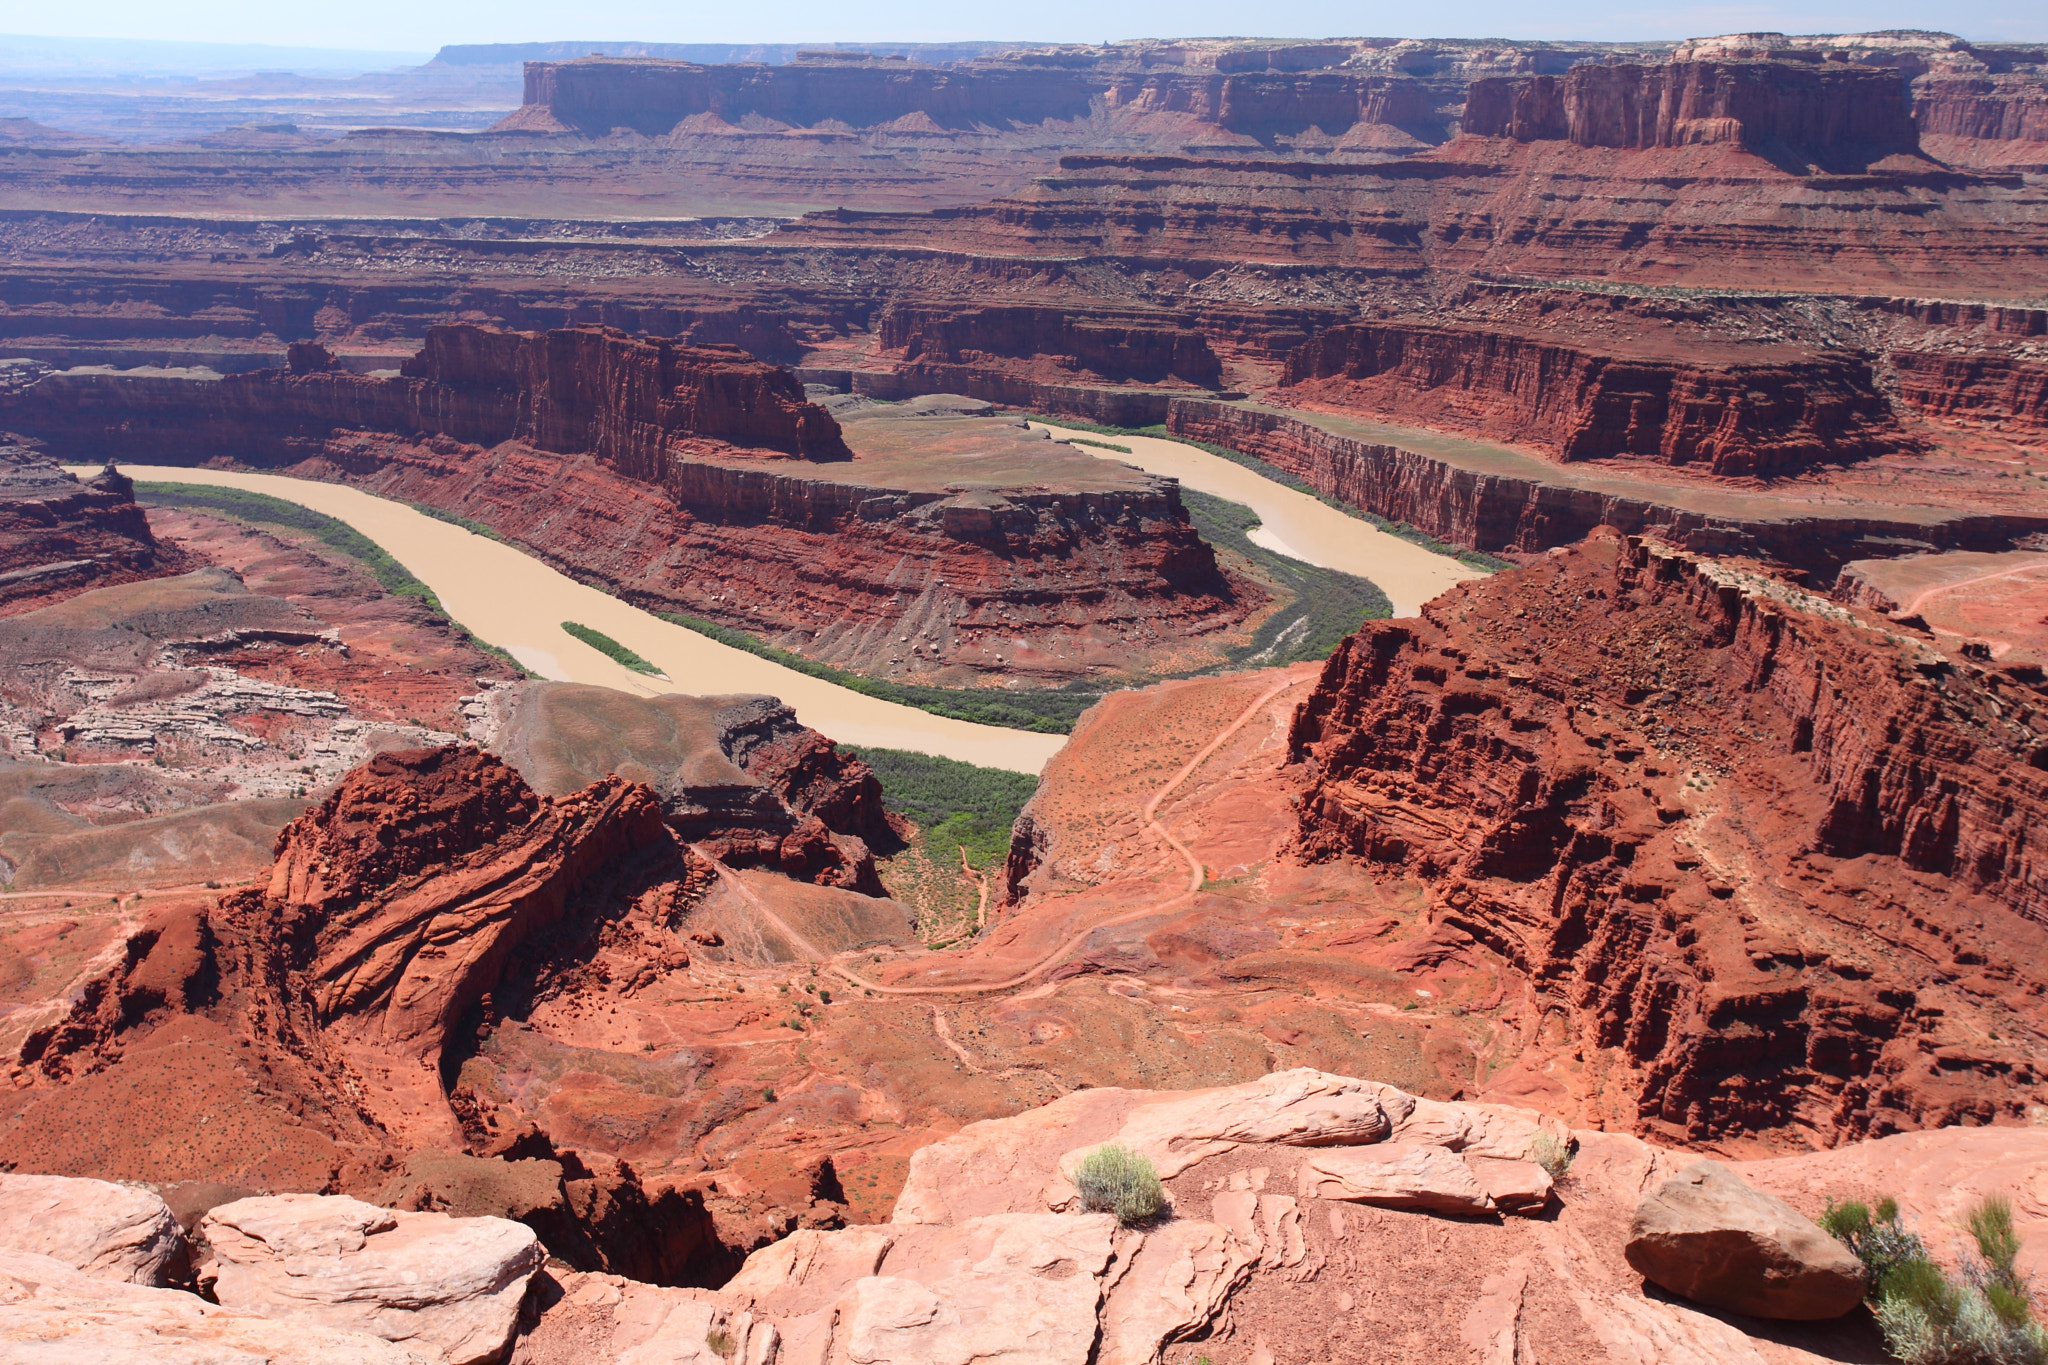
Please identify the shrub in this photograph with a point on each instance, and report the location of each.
(1929, 1319)
(1554, 1156)
(1115, 1179)
(720, 1341)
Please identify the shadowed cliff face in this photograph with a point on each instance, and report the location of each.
(1835, 116)
(1771, 863)
(1753, 410)
(60, 536)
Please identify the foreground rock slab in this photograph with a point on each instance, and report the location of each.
(51, 1314)
(448, 1288)
(114, 1232)
(1710, 1237)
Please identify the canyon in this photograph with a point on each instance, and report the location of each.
(1673, 797)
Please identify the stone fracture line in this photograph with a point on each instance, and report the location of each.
(1059, 954)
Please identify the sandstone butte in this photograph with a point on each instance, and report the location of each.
(1703, 830)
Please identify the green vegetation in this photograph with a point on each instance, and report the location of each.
(610, 648)
(394, 577)
(955, 804)
(1477, 559)
(1327, 605)
(1045, 711)
(1986, 1318)
(1099, 445)
(261, 508)
(1115, 1179)
(469, 524)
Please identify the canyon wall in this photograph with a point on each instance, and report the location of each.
(1088, 349)
(1831, 113)
(1658, 785)
(1487, 511)
(60, 536)
(1744, 412)
(630, 401)
(2004, 391)
(594, 95)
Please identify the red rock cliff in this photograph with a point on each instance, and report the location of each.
(594, 95)
(1831, 113)
(628, 400)
(59, 536)
(2001, 390)
(1776, 865)
(1084, 348)
(1732, 413)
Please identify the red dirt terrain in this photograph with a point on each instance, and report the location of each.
(1648, 841)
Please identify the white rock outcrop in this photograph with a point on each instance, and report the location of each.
(51, 1314)
(115, 1232)
(442, 1286)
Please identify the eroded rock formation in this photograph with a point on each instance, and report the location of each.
(59, 536)
(1755, 848)
(1832, 115)
(1741, 412)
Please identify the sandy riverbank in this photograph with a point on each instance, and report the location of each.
(509, 599)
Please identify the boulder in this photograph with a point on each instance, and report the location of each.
(1301, 1107)
(1395, 1175)
(1708, 1237)
(448, 1287)
(1514, 1186)
(115, 1232)
(52, 1314)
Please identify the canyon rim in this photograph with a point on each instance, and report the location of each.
(1416, 720)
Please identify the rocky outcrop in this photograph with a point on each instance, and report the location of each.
(1740, 413)
(1996, 390)
(112, 1232)
(1592, 764)
(633, 402)
(983, 1257)
(1088, 349)
(1833, 115)
(1467, 504)
(49, 1311)
(1710, 1237)
(59, 537)
(391, 910)
(446, 1287)
(737, 774)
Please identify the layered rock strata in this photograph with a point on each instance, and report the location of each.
(1832, 115)
(693, 478)
(1737, 413)
(1663, 874)
(631, 402)
(59, 536)
(1464, 502)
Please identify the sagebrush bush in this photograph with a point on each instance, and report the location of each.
(1554, 1156)
(1929, 1319)
(1114, 1179)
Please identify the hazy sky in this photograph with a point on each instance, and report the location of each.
(422, 25)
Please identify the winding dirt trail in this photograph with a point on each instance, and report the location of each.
(1059, 954)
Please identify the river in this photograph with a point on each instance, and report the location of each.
(507, 598)
(1294, 523)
